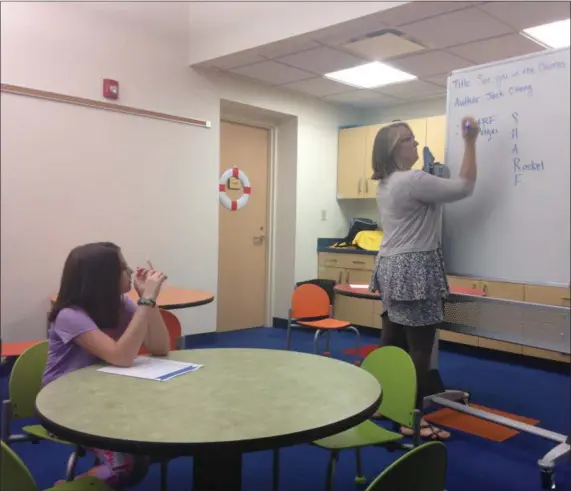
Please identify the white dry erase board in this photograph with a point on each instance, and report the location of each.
(515, 227)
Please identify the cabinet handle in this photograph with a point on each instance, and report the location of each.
(348, 277)
(367, 186)
(359, 186)
(485, 288)
(340, 277)
(358, 262)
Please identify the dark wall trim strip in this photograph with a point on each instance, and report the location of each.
(107, 106)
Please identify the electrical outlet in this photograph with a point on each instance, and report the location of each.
(323, 215)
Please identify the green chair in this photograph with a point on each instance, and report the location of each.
(421, 469)
(15, 476)
(395, 371)
(24, 385)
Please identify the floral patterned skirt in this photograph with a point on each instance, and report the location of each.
(413, 287)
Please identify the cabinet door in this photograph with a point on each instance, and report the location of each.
(547, 295)
(357, 311)
(351, 162)
(545, 354)
(329, 273)
(464, 282)
(507, 291)
(358, 277)
(370, 185)
(436, 136)
(418, 127)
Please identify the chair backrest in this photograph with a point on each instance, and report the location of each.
(26, 380)
(174, 328)
(394, 369)
(423, 468)
(309, 301)
(327, 285)
(14, 475)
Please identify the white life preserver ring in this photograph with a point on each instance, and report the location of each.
(228, 203)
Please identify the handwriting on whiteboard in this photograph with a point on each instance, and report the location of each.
(508, 84)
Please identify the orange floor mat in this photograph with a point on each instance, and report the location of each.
(476, 426)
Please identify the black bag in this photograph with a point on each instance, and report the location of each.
(357, 225)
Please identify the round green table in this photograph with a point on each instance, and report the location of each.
(241, 400)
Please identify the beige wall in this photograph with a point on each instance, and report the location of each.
(72, 175)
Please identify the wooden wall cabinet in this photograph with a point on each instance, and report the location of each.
(355, 156)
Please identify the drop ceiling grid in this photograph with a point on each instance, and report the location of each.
(489, 31)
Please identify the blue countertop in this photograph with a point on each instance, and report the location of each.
(324, 245)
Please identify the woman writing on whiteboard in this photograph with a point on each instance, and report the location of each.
(409, 270)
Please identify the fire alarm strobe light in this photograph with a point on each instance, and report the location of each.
(110, 89)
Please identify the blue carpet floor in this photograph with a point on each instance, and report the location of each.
(475, 464)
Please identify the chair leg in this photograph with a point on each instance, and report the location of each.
(331, 470)
(328, 343)
(164, 475)
(72, 464)
(276, 470)
(288, 336)
(357, 341)
(417, 419)
(6, 421)
(359, 478)
(316, 341)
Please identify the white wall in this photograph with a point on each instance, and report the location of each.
(222, 28)
(411, 110)
(72, 175)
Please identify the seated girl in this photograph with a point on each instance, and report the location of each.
(93, 320)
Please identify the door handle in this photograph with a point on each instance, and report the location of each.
(258, 239)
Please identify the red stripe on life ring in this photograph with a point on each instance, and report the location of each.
(222, 188)
(235, 172)
(234, 206)
(247, 190)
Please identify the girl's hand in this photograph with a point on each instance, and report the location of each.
(153, 282)
(140, 279)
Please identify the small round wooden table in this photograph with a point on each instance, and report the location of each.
(173, 297)
(241, 400)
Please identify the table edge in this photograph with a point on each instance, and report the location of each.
(187, 449)
(186, 305)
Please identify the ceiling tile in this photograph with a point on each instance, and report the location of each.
(272, 73)
(383, 47)
(494, 49)
(411, 90)
(318, 86)
(235, 60)
(287, 47)
(521, 15)
(415, 11)
(322, 60)
(363, 96)
(352, 30)
(440, 79)
(462, 26)
(432, 63)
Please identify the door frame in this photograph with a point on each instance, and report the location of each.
(270, 234)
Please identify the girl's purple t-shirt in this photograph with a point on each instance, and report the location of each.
(64, 355)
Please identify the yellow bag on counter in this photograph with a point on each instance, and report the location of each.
(370, 240)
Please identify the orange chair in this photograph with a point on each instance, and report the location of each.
(310, 307)
(175, 331)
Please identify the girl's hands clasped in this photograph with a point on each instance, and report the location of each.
(148, 282)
